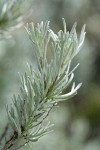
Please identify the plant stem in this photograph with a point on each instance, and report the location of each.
(10, 142)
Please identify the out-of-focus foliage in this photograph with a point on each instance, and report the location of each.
(12, 13)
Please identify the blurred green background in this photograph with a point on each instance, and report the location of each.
(77, 121)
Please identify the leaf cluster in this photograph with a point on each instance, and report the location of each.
(42, 88)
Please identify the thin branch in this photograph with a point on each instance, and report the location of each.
(46, 115)
(10, 142)
(22, 145)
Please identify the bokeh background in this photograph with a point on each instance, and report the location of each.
(77, 121)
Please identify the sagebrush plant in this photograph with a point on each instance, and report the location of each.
(42, 86)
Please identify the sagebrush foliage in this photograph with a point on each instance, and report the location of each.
(42, 87)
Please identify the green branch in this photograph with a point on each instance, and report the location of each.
(42, 88)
